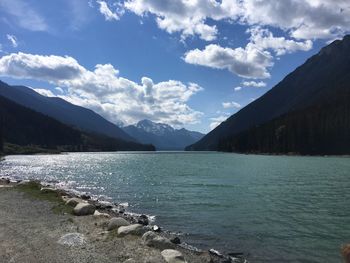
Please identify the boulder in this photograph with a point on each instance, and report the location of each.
(73, 201)
(135, 229)
(83, 209)
(117, 222)
(173, 256)
(151, 239)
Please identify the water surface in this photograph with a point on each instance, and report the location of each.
(274, 208)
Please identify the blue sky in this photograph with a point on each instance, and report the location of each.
(187, 63)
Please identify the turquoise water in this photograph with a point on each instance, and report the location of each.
(273, 208)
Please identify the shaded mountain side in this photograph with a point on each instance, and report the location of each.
(67, 113)
(322, 129)
(321, 76)
(162, 136)
(22, 126)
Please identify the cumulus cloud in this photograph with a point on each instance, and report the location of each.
(103, 90)
(264, 39)
(231, 104)
(13, 40)
(248, 62)
(238, 88)
(108, 13)
(303, 19)
(187, 17)
(255, 84)
(23, 15)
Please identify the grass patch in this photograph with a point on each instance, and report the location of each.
(33, 189)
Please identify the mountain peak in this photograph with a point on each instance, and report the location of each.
(153, 127)
(162, 135)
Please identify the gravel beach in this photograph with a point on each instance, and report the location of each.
(36, 230)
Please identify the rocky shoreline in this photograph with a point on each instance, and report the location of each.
(115, 224)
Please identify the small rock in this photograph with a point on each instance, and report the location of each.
(130, 260)
(83, 209)
(98, 214)
(172, 256)
(151, 239)
(175, 240)
(73, 201)
(156, 228)
(72, 239)
(216, 253)
(85, 196)
(143, 220)
(135, 229)
(117, 222)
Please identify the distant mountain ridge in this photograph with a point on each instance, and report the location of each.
(30, 131)
(162, 136)
(67, 113)
(322, 80)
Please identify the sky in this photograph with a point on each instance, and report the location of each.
(187, 63)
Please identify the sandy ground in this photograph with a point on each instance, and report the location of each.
(30, 231)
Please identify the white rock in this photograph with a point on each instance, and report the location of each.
(117, 222)
(173, 256)
(98, 214)
(135, 229)
(72, 239)
(83, 209)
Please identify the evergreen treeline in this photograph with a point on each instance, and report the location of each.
(22, 126)
(320, 129)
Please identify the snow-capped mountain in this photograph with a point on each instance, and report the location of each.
(162, 136)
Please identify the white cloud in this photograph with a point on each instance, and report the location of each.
(231, 104)
(264, 39)
(255, 84)
(304, 19)
(248, 62)
(238, 88)
(13, 40)
(60, 90)
(103, 90)
(45, 92)
(108, 13)
(185, 16)
(216, 121)
(24, 15)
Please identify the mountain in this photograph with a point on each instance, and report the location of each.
(22, 126)
(321, 83)
(162, 136)
(59, 109)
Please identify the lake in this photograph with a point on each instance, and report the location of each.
(273, 208)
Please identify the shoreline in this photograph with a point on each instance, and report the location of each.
(105, 211)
